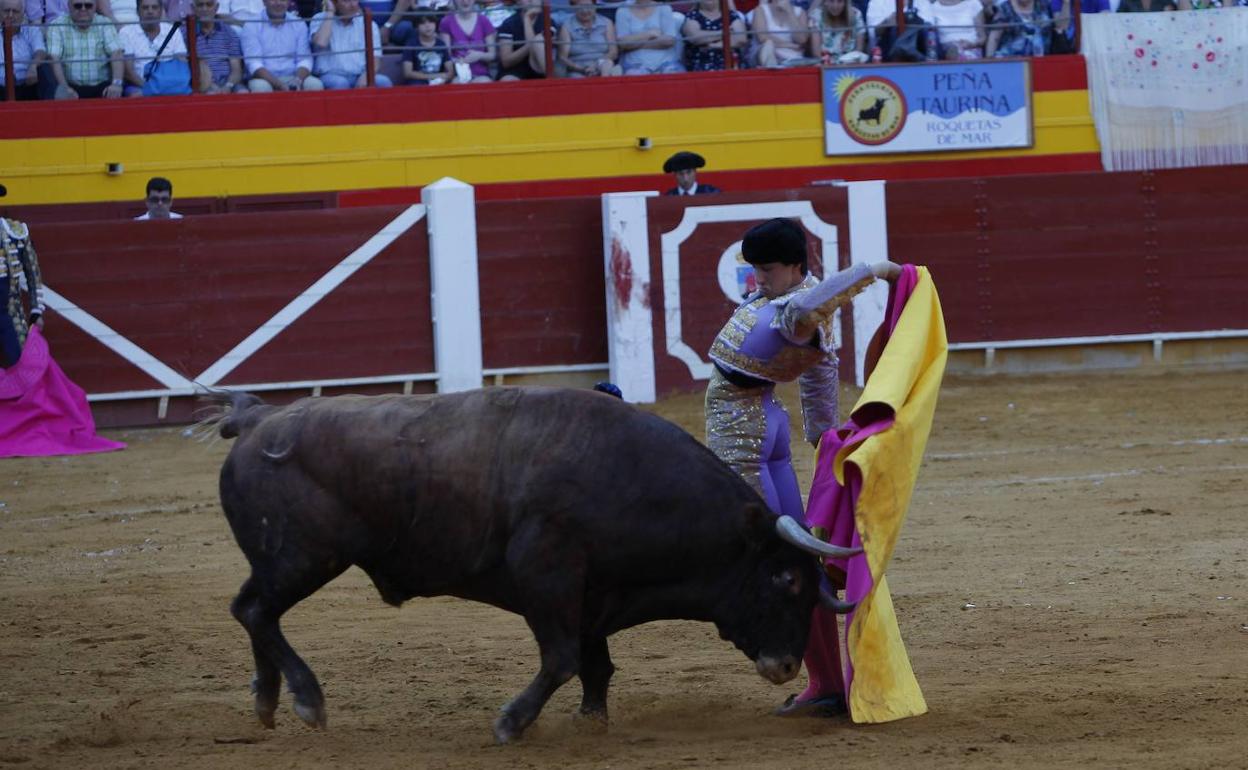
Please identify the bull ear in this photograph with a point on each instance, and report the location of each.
(760, 523)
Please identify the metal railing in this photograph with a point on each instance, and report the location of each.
(550, 11)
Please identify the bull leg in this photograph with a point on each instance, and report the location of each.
(550, 578)
(259, 610)
(560, 661)
(595, 674)
(266, 685)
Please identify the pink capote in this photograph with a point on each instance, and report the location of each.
(831, 507)
(42, 412)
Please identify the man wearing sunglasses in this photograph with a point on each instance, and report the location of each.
(86, 55)
(159, 200)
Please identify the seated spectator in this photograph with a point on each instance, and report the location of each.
(86, 55)
(881, 17)
(839, 32)
(220, 52)
(704, 40)
(587, 46)
(339, 45)
(1146, 6)
(961, 27)
(141, 42)
(159, 200)
(1204, 5)
(1021, 28)
(32, 75)
(471, 39)
(496, 11)
(648, 34)
(522, 43)
(48, 11)
(781, 34)
(399, 27)
(427, 62)
(238, 12)
(277, 53)
(178, 9)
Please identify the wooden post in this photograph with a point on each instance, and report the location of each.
(901, 18)
(549, 36)
(1076, 10)
(725, 19)
(10, 84)
(370, 64)
(192, 50)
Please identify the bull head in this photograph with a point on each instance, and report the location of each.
(791, 532)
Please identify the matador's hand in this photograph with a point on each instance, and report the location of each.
(889, 271)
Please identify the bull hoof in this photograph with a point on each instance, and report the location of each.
(266, 705)
(265, 714)
(314, 716)
(505, 728)
(591, 720)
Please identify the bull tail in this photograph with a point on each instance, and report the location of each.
(231, 413)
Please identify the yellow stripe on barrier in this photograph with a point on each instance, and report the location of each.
(290, 160)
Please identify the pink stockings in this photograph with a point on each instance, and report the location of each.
(823, 658)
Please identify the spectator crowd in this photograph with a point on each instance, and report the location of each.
(82, 49)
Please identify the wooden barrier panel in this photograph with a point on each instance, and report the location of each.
(542, 301)
(190, 293)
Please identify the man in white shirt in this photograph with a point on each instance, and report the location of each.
(141, 42)
(159, 200)
(233, 11)
(276, 53)
(32, 75)
(685, 166)
(338, 41)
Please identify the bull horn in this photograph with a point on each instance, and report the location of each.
(791, 532)
(831, 601)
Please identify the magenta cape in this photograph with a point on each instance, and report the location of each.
(878, 451)
(42, 412)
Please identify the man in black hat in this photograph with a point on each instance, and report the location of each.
(17, 262)
(685, 166)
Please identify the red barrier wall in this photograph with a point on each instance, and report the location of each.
(542, 295)
(1014, 258)
(1081, 254)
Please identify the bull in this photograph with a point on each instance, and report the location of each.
(571, 508)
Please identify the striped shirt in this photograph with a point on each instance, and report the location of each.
(217, 48)
(84, 53)
(26, 43)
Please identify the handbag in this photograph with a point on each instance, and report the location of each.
(166, 78)
(912, 44)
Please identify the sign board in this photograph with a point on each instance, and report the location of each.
(927, 107)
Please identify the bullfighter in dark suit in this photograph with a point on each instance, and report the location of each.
(685, 166)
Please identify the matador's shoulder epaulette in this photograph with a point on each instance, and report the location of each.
(16, 229)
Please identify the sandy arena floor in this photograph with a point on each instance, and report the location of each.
(1072, 585)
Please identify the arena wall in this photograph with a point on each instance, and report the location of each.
(1075, 269)
(759, 130)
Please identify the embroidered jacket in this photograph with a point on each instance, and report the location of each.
(790, 338)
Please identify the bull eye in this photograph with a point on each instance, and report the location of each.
(788, 581)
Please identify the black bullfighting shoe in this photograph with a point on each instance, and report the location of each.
(826, 706)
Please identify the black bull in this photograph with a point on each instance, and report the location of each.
(571, 508)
